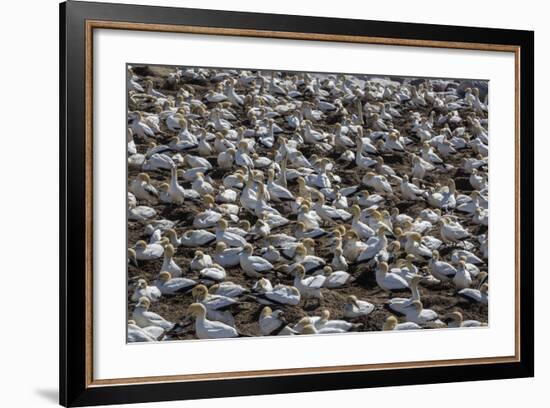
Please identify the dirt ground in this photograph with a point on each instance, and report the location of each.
(442, 298)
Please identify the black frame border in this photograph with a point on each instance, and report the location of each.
(73, 390)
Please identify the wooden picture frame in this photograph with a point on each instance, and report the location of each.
(77, 22)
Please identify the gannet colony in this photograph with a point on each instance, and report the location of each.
(265, 203)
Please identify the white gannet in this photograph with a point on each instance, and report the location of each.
(253, 266)
(279, 295)
(462, 278)
(136, 334)
(411, 191)
(196, 238)
(373, 246)
(455, 319)
(209, 329)
(328, 213)
(208, 217)
(442, 270)
(391, 323)
(201, 186)
(143, 290)
(226, 257)
(168, 263)
(142, 188)
(378, 182)
(226, 158)
(469, 257)
(272, 323)
(415, 246)
(362, 229)
(217, 307)
(400, 305)
(354, 307)
(336, 279)
(476, 295)
(452, 231)
(309, 287)
(200, 261)
(365, 199)
(276, 191)
(229, 238)
(324, 322)
(444, 198)
(173, 286)
(310, 263)
(147, 252)
(389, 281)
(144, 318)
(214, 273)
(339, 261)
(423, 317)
(228, 289)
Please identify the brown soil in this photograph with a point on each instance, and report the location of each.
(441, 298)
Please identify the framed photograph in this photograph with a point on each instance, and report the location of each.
(257, 203)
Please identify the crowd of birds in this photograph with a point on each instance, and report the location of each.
(261, 193)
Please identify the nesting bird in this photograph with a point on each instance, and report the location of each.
(251, 193)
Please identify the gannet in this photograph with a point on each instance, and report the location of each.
(324, 322)
(411, 191)
(217, 306)
(144, 318)
(362, 229)
(136, 334)
(336, 279)
(226, 158)
(400, 305)
(415, 246)
(226, 257)
(147, 252)
(280, 294)
(209, 329)
(391, 323)
(253, 266)
(172, 286)
(462, 278)
(214, 273)
(142, 188)
(201, 186)
(143, 290)
(389, 281)
(309, 287)
(272, 323)
(196, 238)
(452, 231)
(469, 257)
(443, 271)
(310, 263)
(208, 217)
(228, 289)
(328, 213)
(378, 182)
(200, 261)
(276, 191)
(444, 198)
(339, 261)
(423, 317)
(354, 308)
(365, 199)
(476, 295)
(229, 238)
(455, 319)
(373, 246)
